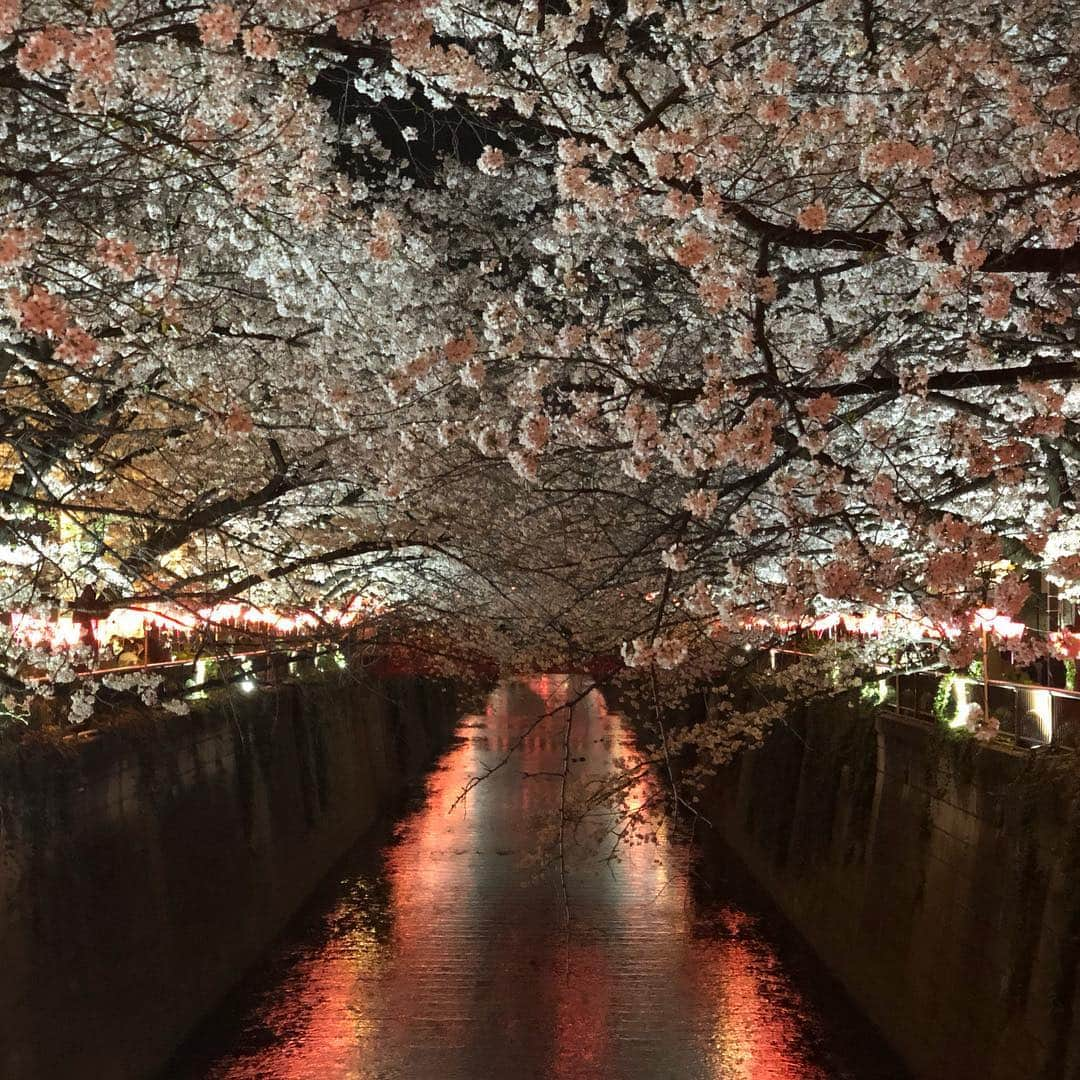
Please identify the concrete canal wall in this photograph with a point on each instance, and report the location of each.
(938, 879)
(143, 871)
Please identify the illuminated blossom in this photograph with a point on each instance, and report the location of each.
(812, 217)
(715, 293)
(778, 73)
(44, 51)
(10, 13)
(386, 231)
(1060, 97)
(238, 421)
(1059, 154)
(969, 254)
(881, 492)
(763, 327)
(821, 407)
(42, 313)
(1067, 567)
(948, 569)
(699, 600)
(218, 27)
(774, 111)
(260, 43)
(526, 465)
(669, 652)
(701, 504)
(164, 266)
(693, 250)
(349, 19)
(899, 154)
(996, 293)
(15, 247)
(665, 653)
(94, 56)
(645, 348)
(674, 558)
(78, 346)
(459, 350)
(473, 374)
(251, 188)
(197, 132)
(679, 205)
(380, 248)
(119, 256)
(491, 161)
(534, 432)
(766, 289)
(841, 580)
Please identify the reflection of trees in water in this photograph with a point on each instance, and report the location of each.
(531, 698)
(446, 954)
(523, 700)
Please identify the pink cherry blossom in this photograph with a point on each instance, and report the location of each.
(219, 26)
(821, 407)
(1058, 97)
(899, 154)
(715, 293)
(839, 579)
(94, 56)
(534, 432)
(693, 249)
(1058, 154)
(812, 217)
(260, 43)
(970, 254)
(491, 161)
(119, 256)
(775, 111)
(78, 346)
(16, 247)
(701, 504)
(42, 313)
(778, 72)
(44, 51)
(238, 421)
(10, 14)
(461, 349)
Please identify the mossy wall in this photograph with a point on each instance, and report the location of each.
(939, 879)
(142, 871)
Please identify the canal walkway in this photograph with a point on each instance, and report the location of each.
(446, 952)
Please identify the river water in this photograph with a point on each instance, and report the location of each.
(462, 946)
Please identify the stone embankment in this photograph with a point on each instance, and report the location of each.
(937, 878)
(144, 870)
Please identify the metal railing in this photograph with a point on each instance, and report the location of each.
(246, 669)
(1029, 714)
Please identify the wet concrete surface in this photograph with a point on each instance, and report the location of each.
(463, 946)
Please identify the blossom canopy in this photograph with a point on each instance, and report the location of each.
(587, 324)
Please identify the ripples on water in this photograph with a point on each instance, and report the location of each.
(444, 952)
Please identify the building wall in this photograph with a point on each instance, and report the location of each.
(938, 879)
(143, 870)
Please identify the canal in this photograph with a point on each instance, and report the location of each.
(459, 944)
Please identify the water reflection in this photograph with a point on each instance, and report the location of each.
(447, 954)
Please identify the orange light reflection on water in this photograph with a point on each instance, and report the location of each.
(465, 969)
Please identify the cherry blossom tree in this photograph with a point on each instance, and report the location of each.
(583, 326)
